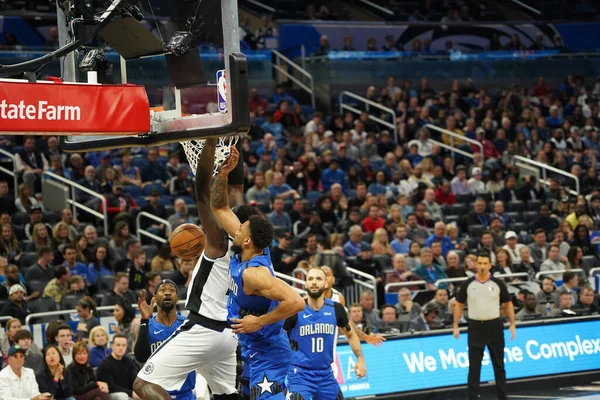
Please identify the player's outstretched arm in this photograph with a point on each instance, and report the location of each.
(360, 368)
(219, 196)
(216, 244)
(259, 282)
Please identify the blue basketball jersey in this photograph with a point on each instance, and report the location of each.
(159, 333)
(240, 304)
(313, 334)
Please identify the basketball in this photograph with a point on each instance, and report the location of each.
(187, 241)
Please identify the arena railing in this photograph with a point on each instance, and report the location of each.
(142, 232)
(74, 186)
(369, 103)
(453, 149)
(545, 168)
(449, 280)
(299, 272)
(296, 283)
(593, 272)
(556, 272)
(12, 172)
(310, 88)
(405, 284)
(352, 292)
(73, 311)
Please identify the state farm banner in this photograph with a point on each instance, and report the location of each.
(57, 108)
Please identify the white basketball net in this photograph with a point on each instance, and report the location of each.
(193, 149)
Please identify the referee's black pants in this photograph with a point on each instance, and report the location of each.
(490, 334)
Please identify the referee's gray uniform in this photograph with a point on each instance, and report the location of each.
(483, 300)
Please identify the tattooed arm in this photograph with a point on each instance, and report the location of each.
(219, 196)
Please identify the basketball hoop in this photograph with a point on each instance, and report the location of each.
(193, 150)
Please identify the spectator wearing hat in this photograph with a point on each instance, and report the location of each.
(118, 202)
(364, 262)
(342, 157)
(460, 184)
(475, 184)
(17, 306)
(33, 355)
(513, 248)
(35, 217)
(18, 381)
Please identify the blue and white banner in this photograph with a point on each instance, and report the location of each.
(428, 362)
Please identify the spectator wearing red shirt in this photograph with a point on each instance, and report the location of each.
(118, 201)
(373, 220)
(256, 101)
(285, 116)
(444, 195)
(541, 88)
(489, 148)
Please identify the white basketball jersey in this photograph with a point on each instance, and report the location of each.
(335, 295)
(207, 295)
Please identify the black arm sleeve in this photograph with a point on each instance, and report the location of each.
(290, 323)
(142, 349)
(341, 316)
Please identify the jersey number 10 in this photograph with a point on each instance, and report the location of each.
(317, 344)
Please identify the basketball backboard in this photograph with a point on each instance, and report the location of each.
(172, 126)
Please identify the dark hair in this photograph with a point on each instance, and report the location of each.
(61, 360)
(22, 334)
(537, 231)
(119, 336)
(119, 276)
(128, 312)
(88, 304)
(151, 275)
(243, 212)
(568, 276)
(43, 250)
(165, 251)
(67, 247)
(261, 231)
(484, 254)
(131, 242)
(106, 261)
(52, 330)
(77, 348)
(60, 271)
(62, 326)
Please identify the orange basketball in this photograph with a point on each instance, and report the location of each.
(187, 241)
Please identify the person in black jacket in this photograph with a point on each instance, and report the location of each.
(117, 370)
(17, 306)
(364, 262)
(85, 385)
(53, 377)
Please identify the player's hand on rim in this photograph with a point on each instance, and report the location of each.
(231, 162)
(248, 324)
(146, 309)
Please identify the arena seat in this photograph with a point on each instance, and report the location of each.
(172, 275)
(28, 259)
(70, 301)
(37, 286)
(150, 250)
(518, 206)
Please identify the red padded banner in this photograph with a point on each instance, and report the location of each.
(73, 108)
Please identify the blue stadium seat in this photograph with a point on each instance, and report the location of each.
(391, 298)
(351, 193)
(313, 196)
(139, 162)
(153, 186)
(258, 121)
(133, 190)
(165, 200)
(140, 201)
(162, 161)
(188, 200)
(376, 165)
(534, 205)
(255, 145)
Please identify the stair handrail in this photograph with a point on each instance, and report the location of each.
(310, 88)
(371, 103)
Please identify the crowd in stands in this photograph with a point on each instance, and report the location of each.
(341, 192)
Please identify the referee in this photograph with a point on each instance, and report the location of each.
(484, 295)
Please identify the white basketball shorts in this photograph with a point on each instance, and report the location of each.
(194, 347)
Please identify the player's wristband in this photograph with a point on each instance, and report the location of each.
(144, 321)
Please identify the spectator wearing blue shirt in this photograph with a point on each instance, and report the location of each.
(554, 120)
(281, 189)
(76, 268)
(280, 95)
(352, 246)
(153, 172)
(401, 244)
(413, 155)
(439, 235)
(57, 168)
(278, 217)
(429, 272)
(333, 175)
(344, 162)
(390, 166)
(378, 187)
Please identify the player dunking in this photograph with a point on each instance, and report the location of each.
(204, 342)
(154, 331)
(313, 335)
(258, 302)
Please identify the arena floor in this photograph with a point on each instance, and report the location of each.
(580, 388)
